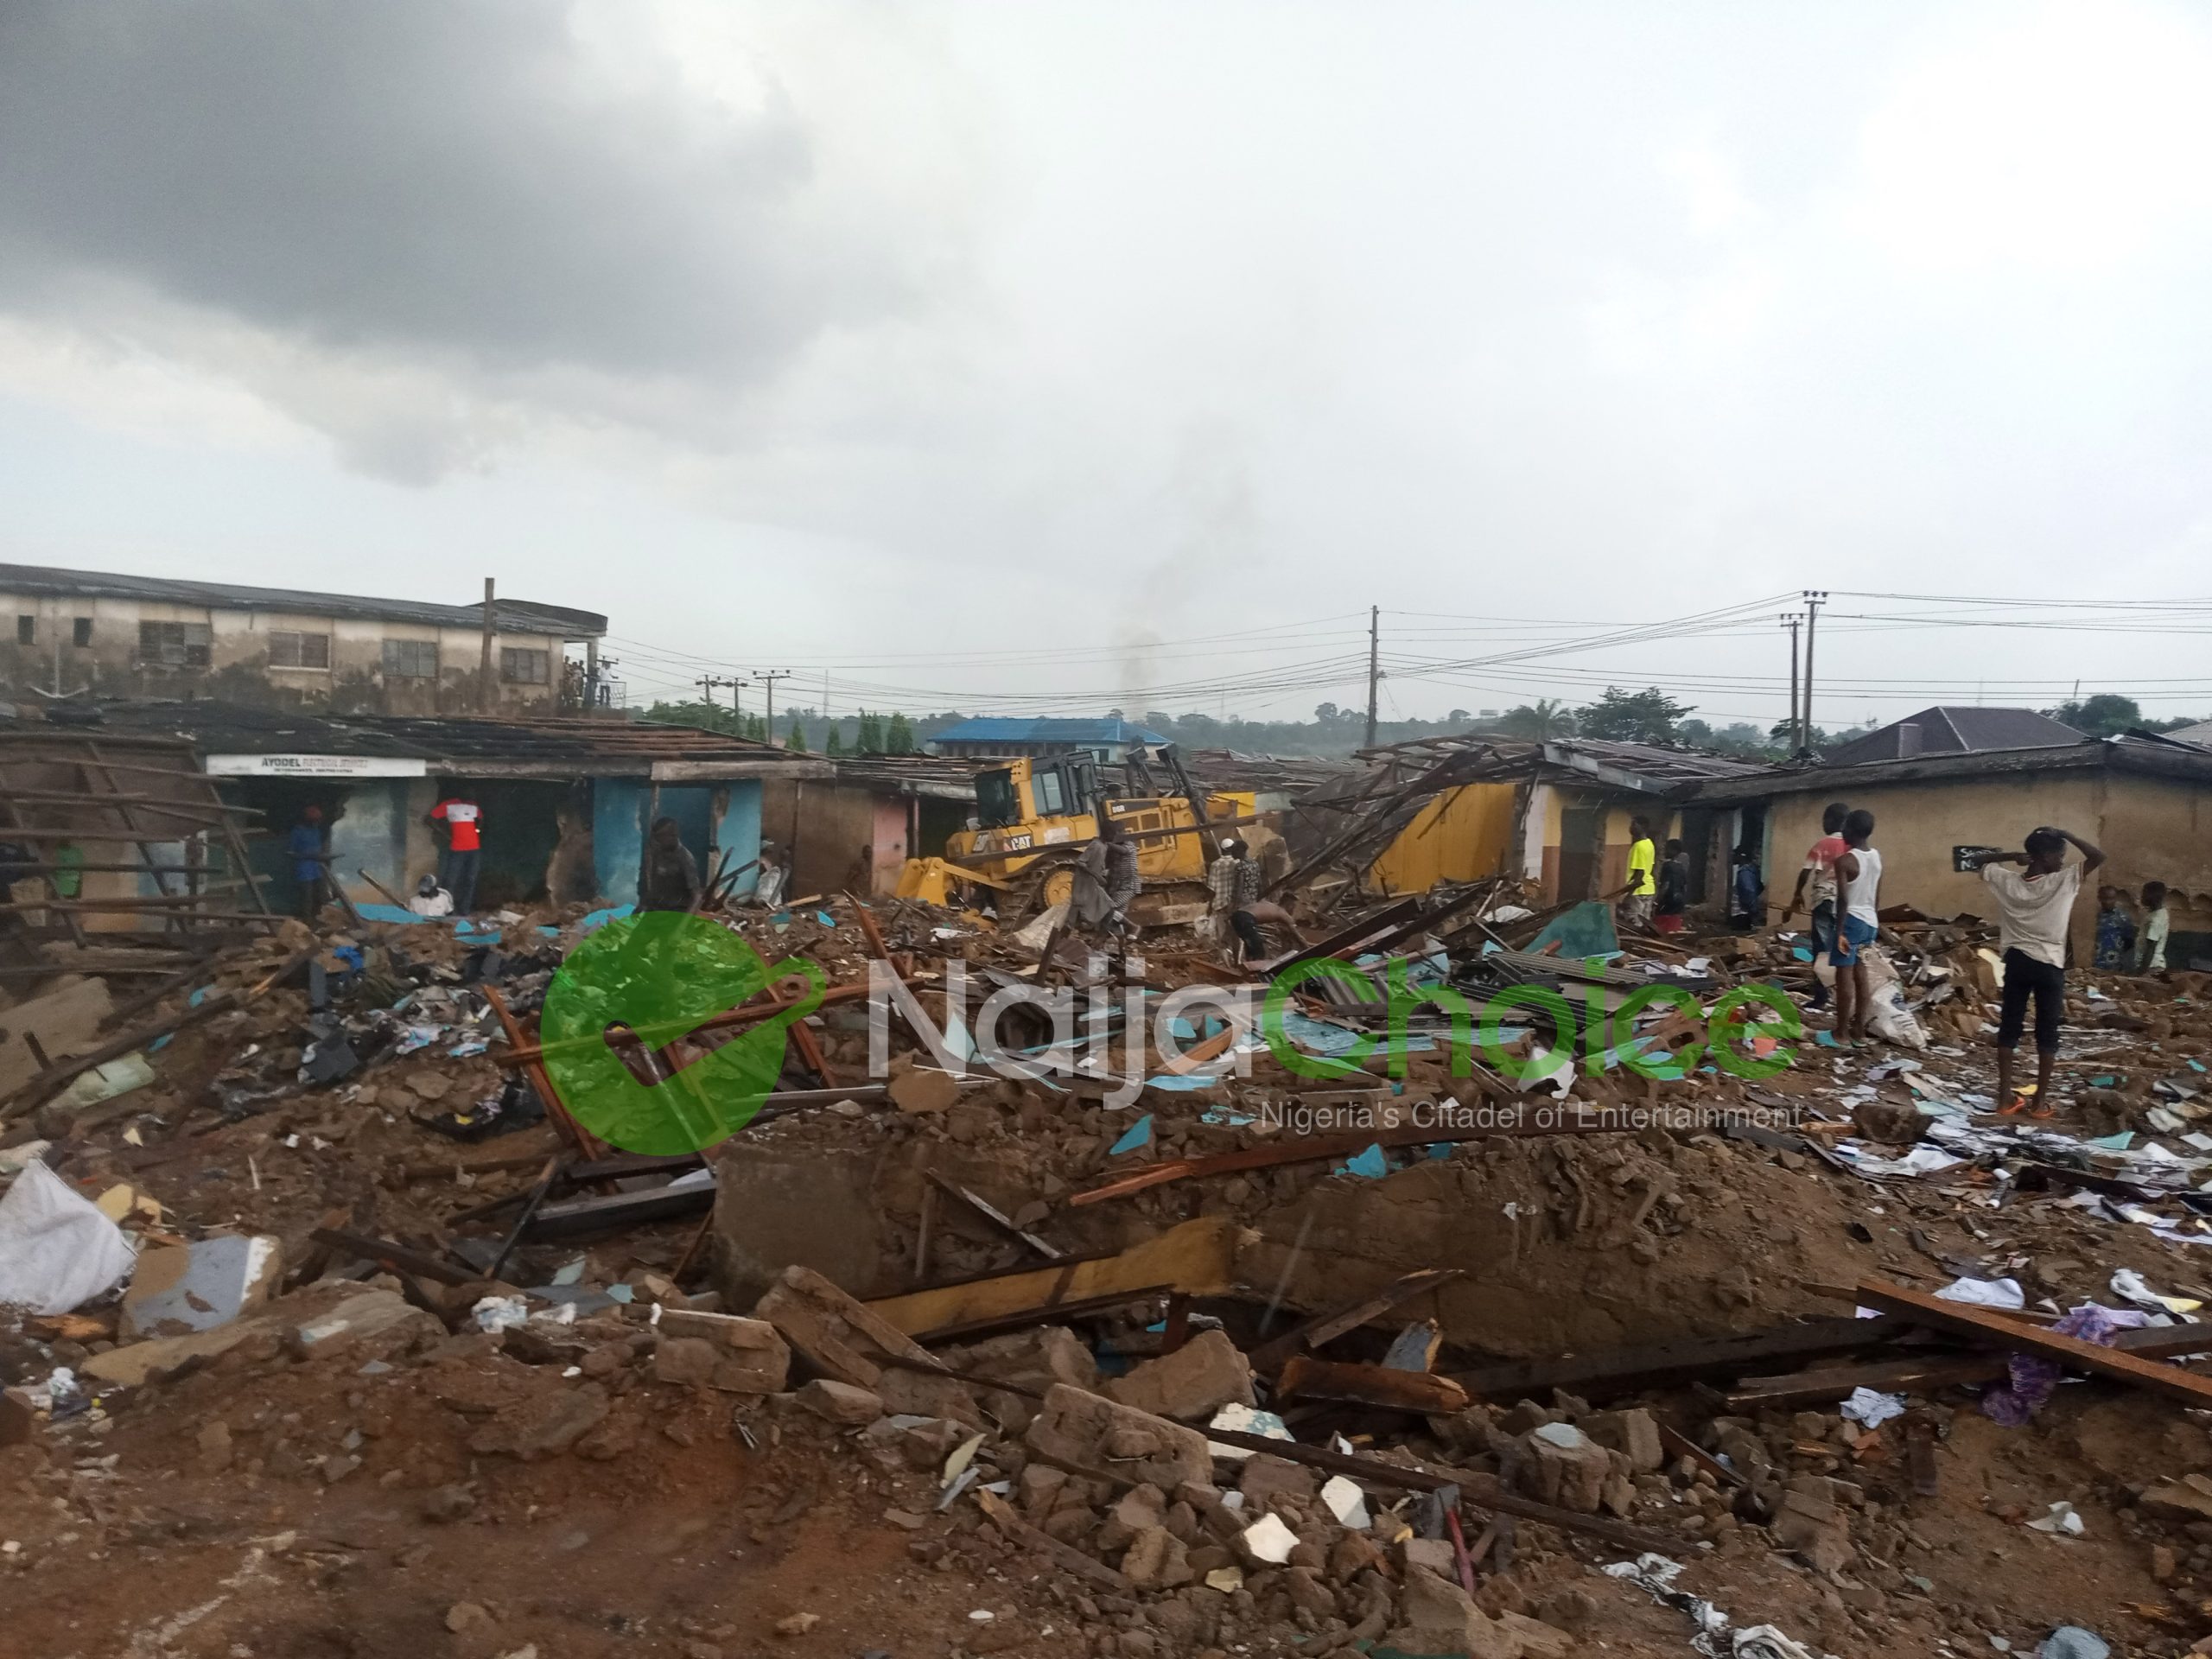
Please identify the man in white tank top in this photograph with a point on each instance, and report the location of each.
(1858, 896)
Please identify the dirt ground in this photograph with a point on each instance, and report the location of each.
(554, 1491)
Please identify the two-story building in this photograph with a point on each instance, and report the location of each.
(117, 636)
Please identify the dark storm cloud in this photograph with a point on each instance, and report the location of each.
(455, 184)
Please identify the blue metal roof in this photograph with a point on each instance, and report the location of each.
(1006, 728)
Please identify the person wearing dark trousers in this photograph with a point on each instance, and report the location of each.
(1817, 881)
(309, 844)
(463, 822)
(2033, 907)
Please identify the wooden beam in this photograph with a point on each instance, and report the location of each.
(1977, 1323)
(1306, 1377)
(1198, 1258)
(1628, 1371)
(1484, 1491)
(1324, 1328)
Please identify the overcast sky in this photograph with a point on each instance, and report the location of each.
(1007, 354)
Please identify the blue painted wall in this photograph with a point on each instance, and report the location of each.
(619, 810)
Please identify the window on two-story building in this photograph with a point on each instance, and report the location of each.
(176, 645)
(288, 648)
(80, 632)
(522, 666)
(27, 630)
(410, 659)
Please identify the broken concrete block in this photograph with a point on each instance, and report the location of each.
(1265, 1479)
(1566, 1467)
(177, 1289)
(1088, 1434)
(1039, 1488)
(1034, 1359)
(917, 1393)
(1136, 1510)
(924, 1089)
(776, 1208)
(18, 1421)
(1635, 1434)
(1439, 1619)
(747, 1355)
(1204, 1375)
(1155, 1560)
(1811, 1523)
(835, 1334)
(214, 1443)
(138, 1362)
(1427, 1555)
(1538, 1640)
(545, 1426)
(841, 1403)
(1267, 1541)
(367, 1322)
(685, 1361)
(2188, 1498)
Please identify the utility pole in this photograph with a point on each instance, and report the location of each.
(1791, 620)
(769, 679)
(1374, 666)
(488, 698)
(708, 683)
(1815, 598)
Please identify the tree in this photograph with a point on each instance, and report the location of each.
(1544, 719)
(797, 741)
(835, 744)
(898, 736)
(869, 739)
(1645, 716)
(1325, 713)
(2106, 714)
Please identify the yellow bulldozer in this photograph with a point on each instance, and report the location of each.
(1035, 815)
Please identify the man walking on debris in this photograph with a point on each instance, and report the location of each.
(1236, 880)
(2032, 909)
(463, 821)
(1643, 887)
(1858, 890)
(668, 876)
(1106, 880)
(1819, 875)
(309, 845)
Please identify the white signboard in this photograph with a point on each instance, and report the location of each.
(312, 765)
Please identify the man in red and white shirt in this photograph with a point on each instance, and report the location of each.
(464, 822)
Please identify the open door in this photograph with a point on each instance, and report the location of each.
(1579, 830)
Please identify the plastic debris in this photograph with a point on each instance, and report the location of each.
(57, 1250)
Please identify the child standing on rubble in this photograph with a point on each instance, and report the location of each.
(1859, 897)
(1818, 876)
(2115, 931)
(2150, 947)
(2032, 909)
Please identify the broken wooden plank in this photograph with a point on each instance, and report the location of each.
(581, 1217)
(1484, 1491)
(1627, 1370)
(387, 1253)
(1198, 1258)
(1306, 1377)
(1677, 1444)
(1324, 1328)
(1962, 1319)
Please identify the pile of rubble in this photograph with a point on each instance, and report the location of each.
(1179, 1349)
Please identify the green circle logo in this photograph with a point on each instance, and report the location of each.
(663, 974)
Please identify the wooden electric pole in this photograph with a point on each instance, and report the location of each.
(1815, 598)
(488, 698)
(1374, 666)
(1792, 621)
(769, 680)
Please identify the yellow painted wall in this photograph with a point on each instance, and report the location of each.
(2149, 828)
(1461, 835)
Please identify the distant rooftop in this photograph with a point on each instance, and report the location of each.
(509, 615)
(1954, 729)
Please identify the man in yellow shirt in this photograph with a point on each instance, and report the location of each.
(1636, 909)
